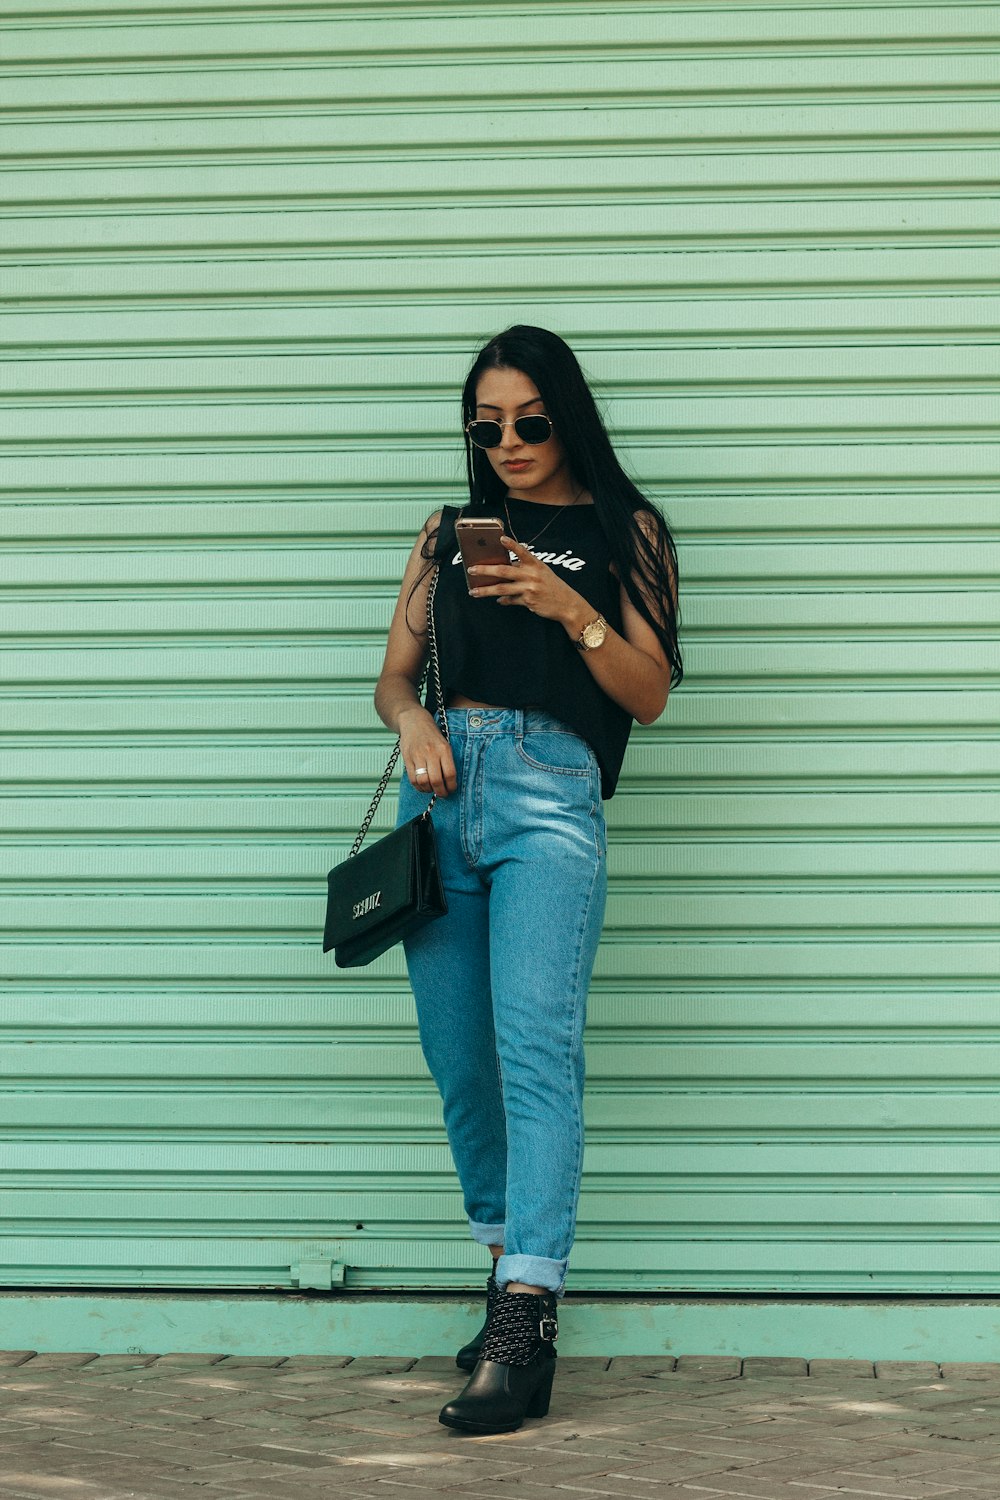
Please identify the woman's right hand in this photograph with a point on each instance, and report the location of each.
(421, 743)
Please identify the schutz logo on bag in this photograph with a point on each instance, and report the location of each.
(362, 908)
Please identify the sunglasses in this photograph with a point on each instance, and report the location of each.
(536, 429)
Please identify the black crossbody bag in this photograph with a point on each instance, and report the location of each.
(378, 897)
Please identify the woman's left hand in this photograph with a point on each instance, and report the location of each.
(529, 582)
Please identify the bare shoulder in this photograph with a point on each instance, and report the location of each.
(654, 528)
(428, 530)
(649, 522)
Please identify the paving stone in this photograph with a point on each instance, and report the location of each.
(303, 1385)
(927, 1465)
(744, 1484)
(380, 1364)
(58, 1361)
(671, 1468)
(908, 1432)
(644, 1407)
(177, 1360)
(294, 1457)
(228, 1475)
(317, 1487)
(707, 1364)
(842, 1369)
(316, 1362)
(11, 1357)
(105, 1363)
(36, 1484)
(527, 1488)
(660, 1426)
(764, 1365)
(907, 1487)
(251, 1361)
(643, 1364)
(905, 1369)
(971, 1371)
(769, 1448)
(563, 1466)
(298, 1486)
(536, 1488)
(440, 1363)
(983, 1482)
(386, 1421)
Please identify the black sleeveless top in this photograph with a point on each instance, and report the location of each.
(503, 654)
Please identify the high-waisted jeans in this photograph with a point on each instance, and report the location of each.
(501, 981)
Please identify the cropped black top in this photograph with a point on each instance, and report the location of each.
(503, 654)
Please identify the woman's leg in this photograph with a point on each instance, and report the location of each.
(547, 902)
(449, 971)
(536, 827)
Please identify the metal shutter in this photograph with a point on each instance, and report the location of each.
(246, 258)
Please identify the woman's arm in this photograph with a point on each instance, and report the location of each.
(632, 668)
(396, 700)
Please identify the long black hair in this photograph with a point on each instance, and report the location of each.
(643, 547)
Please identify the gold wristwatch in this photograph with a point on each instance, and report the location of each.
(592, 635)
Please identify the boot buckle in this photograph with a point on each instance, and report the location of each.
(548, 1329)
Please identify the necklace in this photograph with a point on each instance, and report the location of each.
(557, 510)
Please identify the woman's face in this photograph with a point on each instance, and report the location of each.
(503, 395)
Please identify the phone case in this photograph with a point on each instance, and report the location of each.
(482, 548)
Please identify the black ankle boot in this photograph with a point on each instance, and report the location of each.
(513, 1377)
(468, 1355)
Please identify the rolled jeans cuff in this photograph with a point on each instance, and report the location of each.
(532, 1270)
(486, 1234)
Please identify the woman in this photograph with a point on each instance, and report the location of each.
(545, 663)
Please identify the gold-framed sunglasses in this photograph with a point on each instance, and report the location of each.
(489, 434)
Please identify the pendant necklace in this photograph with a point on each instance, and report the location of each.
(557, 509)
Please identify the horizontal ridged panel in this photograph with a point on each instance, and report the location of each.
(248, 251)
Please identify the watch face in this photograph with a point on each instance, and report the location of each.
(594, 633)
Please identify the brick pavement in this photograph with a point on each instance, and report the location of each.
(142, 1427)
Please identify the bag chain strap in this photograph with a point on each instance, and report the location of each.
(432, 665)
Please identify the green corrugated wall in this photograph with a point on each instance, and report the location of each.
(247, 253)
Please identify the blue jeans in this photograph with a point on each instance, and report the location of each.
(501, 981)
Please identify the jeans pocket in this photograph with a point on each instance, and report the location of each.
(558, 750)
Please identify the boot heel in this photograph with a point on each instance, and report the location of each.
(538, 1406)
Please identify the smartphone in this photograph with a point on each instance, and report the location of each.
(479, 542)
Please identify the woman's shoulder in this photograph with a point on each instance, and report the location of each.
(437, 537)
(652, 525)
(649, 520)
(446, 516)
